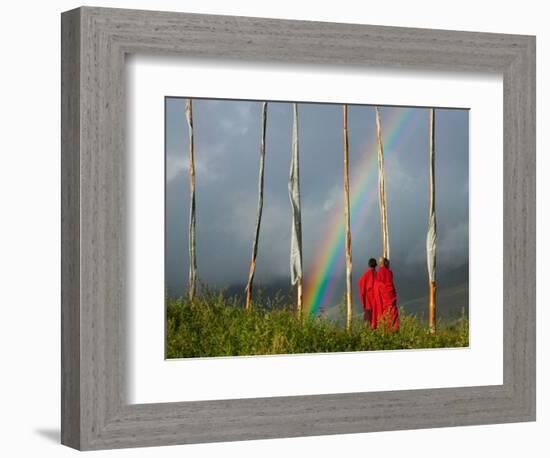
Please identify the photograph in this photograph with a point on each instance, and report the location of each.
(306, 227)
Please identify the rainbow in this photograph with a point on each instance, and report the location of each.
(329, 261)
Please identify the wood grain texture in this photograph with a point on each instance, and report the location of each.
(70, 229)
(95, 412)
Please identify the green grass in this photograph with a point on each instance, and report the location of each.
(214, 325)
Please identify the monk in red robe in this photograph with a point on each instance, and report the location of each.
(385, 295)
(366, 292)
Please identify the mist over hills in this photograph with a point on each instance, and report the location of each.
(452, 292)
(411, 285)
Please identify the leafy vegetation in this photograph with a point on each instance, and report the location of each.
(215, 325)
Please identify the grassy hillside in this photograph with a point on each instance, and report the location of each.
(214, 325)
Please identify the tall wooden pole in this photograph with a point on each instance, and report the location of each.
(296, 230)
(432, 234)
(347, 217)
(382, 189)
(192, 255)
(300, 299)
(248, 290)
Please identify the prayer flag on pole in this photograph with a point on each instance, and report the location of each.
(432, 234)
(349, 304)
(296, 229)
(382, 189)
(252, 268)
(192, 254)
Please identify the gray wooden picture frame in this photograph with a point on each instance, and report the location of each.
(95, 413)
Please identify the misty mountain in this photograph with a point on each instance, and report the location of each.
(411, 285)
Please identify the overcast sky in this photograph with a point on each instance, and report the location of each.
(226, 150)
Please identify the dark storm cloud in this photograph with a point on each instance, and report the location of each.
(226, 147)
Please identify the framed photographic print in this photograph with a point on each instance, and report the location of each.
(335, 220)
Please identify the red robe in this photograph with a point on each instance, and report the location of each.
(386, 299)
(366, 293)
